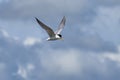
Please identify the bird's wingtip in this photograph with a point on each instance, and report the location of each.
(64, 16)
(35, 17)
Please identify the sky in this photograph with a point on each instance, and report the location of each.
(90, 49)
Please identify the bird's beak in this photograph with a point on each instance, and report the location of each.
(62, 39)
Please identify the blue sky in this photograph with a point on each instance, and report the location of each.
(90, 49)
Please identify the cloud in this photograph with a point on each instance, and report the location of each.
(109, 2)
(41, 61)
(107, 23)
(52, 8)
(63, 62)
(82, 15)
(2, 71)
(113, 57)
(86, 40)
(12, 54)
(89, 52)
(88, 17)
(31, 41)
(24, 71)
(35, 8)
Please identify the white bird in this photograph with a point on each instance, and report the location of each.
(53, 35)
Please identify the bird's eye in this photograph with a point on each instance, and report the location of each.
(60, 35)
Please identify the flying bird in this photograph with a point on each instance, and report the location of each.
(53, 35)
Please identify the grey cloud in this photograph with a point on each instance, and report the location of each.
(16, 9)
(106, 23)
(40, 61)
(109, 2)
(74, 37)
(49, 8)
(11, 57)
(16, 57)
(84, 41)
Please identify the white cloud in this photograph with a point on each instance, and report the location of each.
(107, 23)
(25, 71)
(31, 41)
(113, 56)
(22, 72)
(41, 61)
(4, 33)
(62, 62)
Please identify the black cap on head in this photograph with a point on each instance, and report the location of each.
(59, 35)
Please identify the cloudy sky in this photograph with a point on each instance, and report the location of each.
(90, 49)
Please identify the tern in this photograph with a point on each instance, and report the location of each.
(53, 35)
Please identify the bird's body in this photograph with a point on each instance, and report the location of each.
(56, 37)
(53, 35)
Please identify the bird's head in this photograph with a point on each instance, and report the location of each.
(60, 35)
(61, 38)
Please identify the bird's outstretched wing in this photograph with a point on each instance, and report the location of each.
(47, 29)
(61, 25)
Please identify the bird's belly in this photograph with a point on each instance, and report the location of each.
(52, 38)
